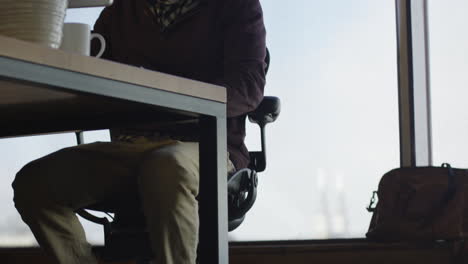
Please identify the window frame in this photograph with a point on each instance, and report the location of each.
(413, 83)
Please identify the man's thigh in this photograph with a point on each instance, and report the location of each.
(82, 175)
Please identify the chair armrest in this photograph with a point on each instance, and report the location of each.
(267, 112)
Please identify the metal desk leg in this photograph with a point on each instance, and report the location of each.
(213, 247)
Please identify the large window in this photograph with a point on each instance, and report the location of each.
(333, 64)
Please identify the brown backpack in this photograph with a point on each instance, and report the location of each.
(420, 203)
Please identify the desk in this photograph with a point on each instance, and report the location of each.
(48, 91)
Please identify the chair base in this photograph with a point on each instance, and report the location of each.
(123, 244)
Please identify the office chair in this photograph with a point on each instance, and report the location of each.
(126, 238)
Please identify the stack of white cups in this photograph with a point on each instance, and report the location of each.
(38, 21)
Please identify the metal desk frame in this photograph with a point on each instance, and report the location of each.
(213, 149)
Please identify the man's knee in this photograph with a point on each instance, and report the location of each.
(34, 178)
(170, 168)
(29, 190)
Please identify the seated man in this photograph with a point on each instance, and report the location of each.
(215, 41)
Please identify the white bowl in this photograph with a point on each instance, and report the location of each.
(38, 21)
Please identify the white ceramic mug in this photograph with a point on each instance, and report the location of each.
(77, 39)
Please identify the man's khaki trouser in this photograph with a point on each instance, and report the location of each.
(47, 191)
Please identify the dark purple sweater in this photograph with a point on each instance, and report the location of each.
(222, 42)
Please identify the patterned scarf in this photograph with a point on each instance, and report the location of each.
(169, 11)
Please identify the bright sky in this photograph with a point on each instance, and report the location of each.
(334, 67)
